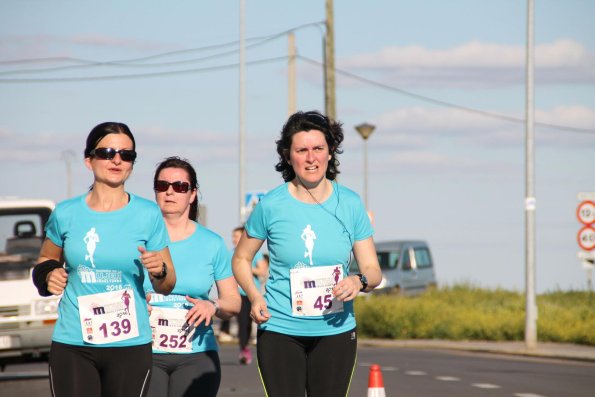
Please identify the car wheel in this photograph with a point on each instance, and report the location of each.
(396, 290)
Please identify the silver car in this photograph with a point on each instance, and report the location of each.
(406, 265)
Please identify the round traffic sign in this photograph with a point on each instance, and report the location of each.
(586, 212)
(586, 238)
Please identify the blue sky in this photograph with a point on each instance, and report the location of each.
(447, 173)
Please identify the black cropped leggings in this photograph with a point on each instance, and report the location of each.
(99, 371)
(322, 366)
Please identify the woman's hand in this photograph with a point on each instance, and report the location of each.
(203, 310)
(259, 312)
(57, 280)
(151, 260)
(347, 289)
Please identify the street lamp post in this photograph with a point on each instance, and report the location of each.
(365, 130)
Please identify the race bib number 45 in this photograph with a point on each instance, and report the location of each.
(108, 317)
(171, 332)
(312, 290)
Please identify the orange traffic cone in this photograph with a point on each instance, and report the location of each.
(375, 383)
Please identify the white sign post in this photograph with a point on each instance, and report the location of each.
(585, 214)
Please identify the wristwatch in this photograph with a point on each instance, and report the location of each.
(363, 279)
(216, 304)
(163, 272)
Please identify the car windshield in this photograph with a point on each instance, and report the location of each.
(21, 235)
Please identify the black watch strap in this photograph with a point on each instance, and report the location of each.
(364, 280)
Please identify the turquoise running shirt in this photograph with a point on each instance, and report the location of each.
(301, 235)
(199, 260)
(101, 254)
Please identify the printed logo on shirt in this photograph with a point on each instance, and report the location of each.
(308, 236)
(94, 276)
(178, 301)
(91, 239)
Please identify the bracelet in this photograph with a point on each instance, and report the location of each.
(163, 272)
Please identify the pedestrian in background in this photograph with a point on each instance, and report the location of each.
(185, 352)
(259, 269)
(109, 241)
(307, 340)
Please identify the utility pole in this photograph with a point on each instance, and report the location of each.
(291, 76)
(242, 116)
(530, 301)
(329, 68)
(68, 156)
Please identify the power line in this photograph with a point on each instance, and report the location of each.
(140, 75)
(445, 103)
(134, 62)
(263, 39)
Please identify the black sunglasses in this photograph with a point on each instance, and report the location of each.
(108, 153)
(178, 186)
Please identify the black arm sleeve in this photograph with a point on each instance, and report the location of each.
(40, 273)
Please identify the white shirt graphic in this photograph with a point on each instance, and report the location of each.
(308, 236)
(91, 239)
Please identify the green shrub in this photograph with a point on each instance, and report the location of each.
(466, 312)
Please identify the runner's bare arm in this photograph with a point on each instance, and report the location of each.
(154, 261)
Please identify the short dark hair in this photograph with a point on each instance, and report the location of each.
(176, 162)
(306, 121)
(101, 130)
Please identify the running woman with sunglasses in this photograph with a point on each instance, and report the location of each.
(185, 357)
(109, 240)
(307, 340)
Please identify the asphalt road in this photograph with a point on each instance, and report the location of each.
(407, 372)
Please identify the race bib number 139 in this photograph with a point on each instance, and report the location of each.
(108, 317)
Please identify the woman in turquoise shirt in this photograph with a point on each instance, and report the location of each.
(185, 357)
(307, 341)
(110, 241)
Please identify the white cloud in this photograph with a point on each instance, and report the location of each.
(476, 64)
(418, 127)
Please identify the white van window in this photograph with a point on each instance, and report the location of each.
(393, 259)
(382, 259)
(20, 242)
(422, 258)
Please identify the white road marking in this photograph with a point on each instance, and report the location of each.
(416, 373)
(381, 368)
(448, 378)
(485, 386)
(528, 395)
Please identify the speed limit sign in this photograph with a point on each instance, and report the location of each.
(586, 238)
(586, 212)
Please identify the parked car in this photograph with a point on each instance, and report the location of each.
(406, 265)
(26, 319)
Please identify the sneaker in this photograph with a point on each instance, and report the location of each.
(225, 337)
(245, 356)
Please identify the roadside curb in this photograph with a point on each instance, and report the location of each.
(565, 351)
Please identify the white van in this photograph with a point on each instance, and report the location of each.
(26, 319)
(406, 265)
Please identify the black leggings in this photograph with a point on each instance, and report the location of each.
(178, 375)
(321, 366)
(244, 322)
(99, 371)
